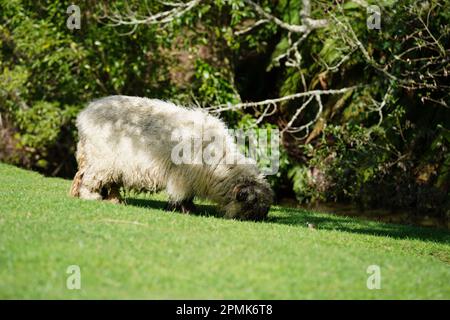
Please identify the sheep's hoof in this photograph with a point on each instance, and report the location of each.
(113, 195)
(114, 200)
(185, 206)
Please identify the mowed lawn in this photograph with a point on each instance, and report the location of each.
(138, 251)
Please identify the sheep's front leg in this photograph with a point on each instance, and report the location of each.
(114, 194)
(184, 206)
(180, 197)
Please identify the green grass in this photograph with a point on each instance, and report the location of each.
(139, 251)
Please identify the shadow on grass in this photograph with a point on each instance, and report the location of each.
(327, 221)
(322, 221)
(202, 209)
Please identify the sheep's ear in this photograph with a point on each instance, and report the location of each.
(240, 192)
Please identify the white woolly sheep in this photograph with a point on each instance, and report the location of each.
(143, 144)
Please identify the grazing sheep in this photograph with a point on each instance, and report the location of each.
(146, 145)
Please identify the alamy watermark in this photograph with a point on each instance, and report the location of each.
(200, 146)
(74, 20)
(374, 280)
(374, 17)
(73, 281)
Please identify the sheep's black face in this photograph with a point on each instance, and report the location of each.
(251, 201)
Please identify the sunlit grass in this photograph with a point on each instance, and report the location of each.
(140, 251)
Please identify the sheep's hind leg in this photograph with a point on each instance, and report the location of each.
(76, 184)
(90, 187)
(183, 206)
(113, 195)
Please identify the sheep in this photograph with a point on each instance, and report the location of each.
(146, 145)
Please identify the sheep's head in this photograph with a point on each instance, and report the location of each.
(250, 200)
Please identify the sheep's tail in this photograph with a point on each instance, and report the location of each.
(78, 179)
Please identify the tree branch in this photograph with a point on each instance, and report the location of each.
(177, 10)
(307, 25)
(227, 107)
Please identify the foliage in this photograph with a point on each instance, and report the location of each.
(377, 146)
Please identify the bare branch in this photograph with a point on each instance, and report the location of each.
(297, 113)
(177, 10)
(310, 123)
(227, 107)
(266, 113)
(307, 25)
(250, 28)
(292, 48)
(381, 105)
